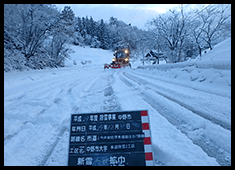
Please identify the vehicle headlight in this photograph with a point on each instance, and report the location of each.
(114, 59)
(126, 59)
(126, 51)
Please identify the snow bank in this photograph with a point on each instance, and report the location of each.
(220, 52)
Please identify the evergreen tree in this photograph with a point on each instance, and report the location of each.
(112, 21)
(67, 21)
(92, 27)
(79, 24)
(77, 37)
(84, 28)
(67, 14)
(103, 35)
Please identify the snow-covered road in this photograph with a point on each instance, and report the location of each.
(189, 107)
(188, 125)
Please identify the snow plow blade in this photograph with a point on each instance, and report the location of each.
(116, 66)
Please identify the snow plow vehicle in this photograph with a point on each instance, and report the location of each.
(120, 60)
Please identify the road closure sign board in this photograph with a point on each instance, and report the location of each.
(110, 139)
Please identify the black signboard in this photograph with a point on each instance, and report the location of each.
(110, 139)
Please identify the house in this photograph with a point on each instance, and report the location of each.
(155, 57)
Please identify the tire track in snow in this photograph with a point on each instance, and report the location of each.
(39, 97)
(160, 90)
(183, 85)
(60, 97)
(52, 147)
(110, 101)
(83, 87)
(149, 95)
(88, 92)
(37, 100)
(36, 87)
(99, 95)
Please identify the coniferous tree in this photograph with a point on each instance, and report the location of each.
(103, 35)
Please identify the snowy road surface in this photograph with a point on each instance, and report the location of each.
(190, 121)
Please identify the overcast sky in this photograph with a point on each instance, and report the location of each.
(136, 14)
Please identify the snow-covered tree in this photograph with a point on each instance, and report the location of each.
(213, 18)
(186, 33)
(102, 35)
(27, 30)
(172, 30)
(67, 15)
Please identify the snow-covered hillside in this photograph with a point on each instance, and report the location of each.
(189, 106)
(83, 56)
